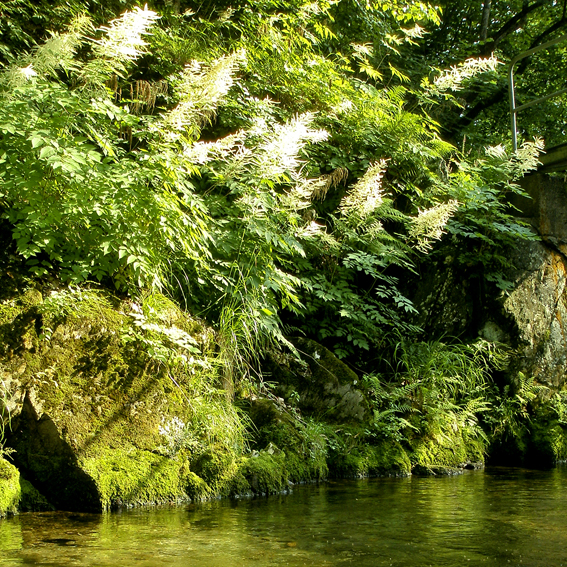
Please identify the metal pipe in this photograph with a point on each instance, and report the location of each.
(513, 109)
(541, 99)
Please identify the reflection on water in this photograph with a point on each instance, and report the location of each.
(498, 517)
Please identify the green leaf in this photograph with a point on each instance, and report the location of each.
(46, 151)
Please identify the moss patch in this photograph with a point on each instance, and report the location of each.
(136, 477)
(546, 444)
(10, 491)
(384, 459)
(450, 452)
(265, 472)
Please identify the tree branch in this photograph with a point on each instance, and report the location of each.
(485, 19)
(500, 94)
(512, 25)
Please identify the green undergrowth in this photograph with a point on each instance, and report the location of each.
(124, 404)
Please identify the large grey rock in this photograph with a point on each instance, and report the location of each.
(532, 317)
(537, 309)
(326, 386)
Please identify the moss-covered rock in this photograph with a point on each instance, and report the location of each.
(135, 477)
(266, 472)
(451, 452)
(383, 459)
(303, 441)
(111, 400)
(10, 491)
(325, 387)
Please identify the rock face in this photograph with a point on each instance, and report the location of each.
(546, 209)
(538, 304)
(532, 317)
(537, 308)
(447, 300)
(325, 386)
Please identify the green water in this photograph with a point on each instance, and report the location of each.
(497, 517)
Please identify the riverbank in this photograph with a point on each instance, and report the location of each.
(110, 402)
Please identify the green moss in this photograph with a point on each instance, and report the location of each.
(384, 459)
(9, 311)
(219, 467)
(31, 499)
(10, 492)
(265, 473)
(99, 376)
(31, 298)
(135, 477)
(301, 467)
(446, 452)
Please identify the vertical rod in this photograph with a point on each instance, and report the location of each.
(513, 109)
(513, 114)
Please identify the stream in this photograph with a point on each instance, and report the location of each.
(496, 517)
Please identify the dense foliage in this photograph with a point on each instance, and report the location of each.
(277, 167)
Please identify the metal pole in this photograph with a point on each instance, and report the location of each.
(513, 109)
(513, 119)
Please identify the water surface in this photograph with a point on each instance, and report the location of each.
(497, 517)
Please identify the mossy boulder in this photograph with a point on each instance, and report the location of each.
(325, 386)
(266, 471)
(10, 491)
(304, 441)
(453, 451)
(134, 477)
(92, 383)
(365, 460)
